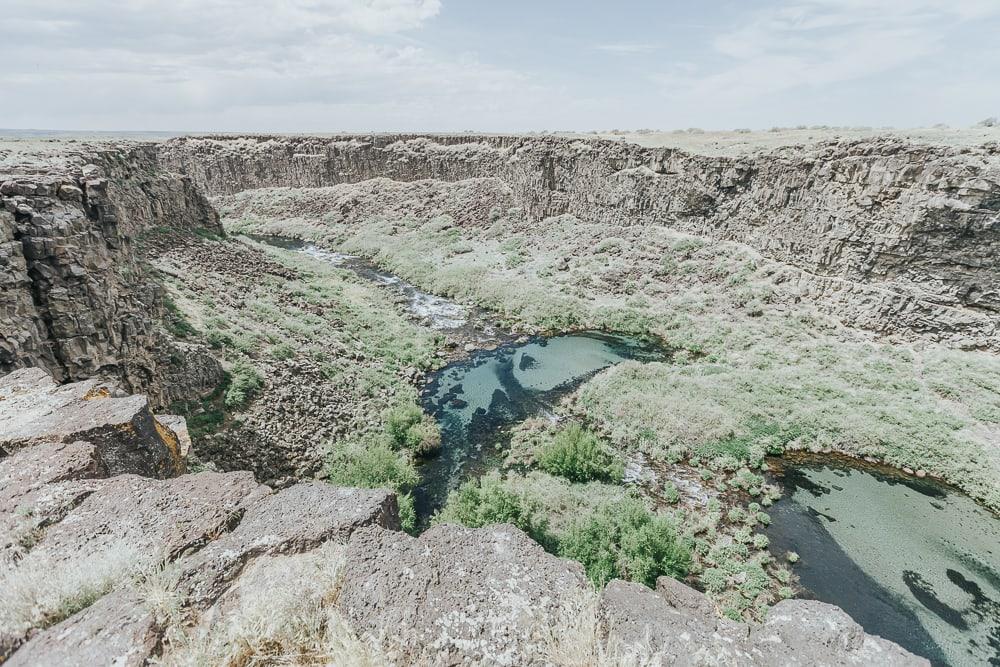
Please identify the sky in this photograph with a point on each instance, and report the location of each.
(495, 65)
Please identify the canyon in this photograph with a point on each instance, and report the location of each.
(181, 402)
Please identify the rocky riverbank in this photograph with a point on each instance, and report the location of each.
(128, 569)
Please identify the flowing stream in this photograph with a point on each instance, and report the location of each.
(910, 560)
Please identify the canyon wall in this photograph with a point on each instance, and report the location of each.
(888, 236)
(76, 299)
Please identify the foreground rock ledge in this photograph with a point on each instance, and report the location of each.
(213, 543)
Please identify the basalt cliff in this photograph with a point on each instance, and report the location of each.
(887, 236)
(112, 552)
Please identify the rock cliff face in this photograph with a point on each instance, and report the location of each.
(127, 569)
(75, 296)
(891, 237)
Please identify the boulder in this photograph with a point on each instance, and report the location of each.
(165, 518)
(116, 630)
(679, 626)
(457, 595)
(34, 409)
(807, 632)
(293, 520)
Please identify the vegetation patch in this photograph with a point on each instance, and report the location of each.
(578, 455)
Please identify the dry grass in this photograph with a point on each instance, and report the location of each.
(40, 591)
(281, 612)
(574, 638)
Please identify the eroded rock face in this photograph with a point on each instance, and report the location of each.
(75, 299)
(126, 436)
(889, 236)
(458, 595)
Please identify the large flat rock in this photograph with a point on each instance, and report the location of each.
(162, 518)
(457, 595)
(678, 625)
(34, 410)
(293, 520)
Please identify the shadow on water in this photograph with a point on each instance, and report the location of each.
(475, 399)
(908, 559)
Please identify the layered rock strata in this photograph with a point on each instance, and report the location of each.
(889, 236)
(76, 297)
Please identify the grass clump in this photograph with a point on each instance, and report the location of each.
(407, 427)
(244, 383)
(487, 501)
(175, 320)
(624, 540)
(577, 454)
(39, 592)
(296, 622)
(617, 538)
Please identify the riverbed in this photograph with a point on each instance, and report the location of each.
(911, 560)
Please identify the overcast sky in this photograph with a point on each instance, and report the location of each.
(501, 65)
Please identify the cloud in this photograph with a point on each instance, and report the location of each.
(210, 62)
(626, 48)
(818, 43)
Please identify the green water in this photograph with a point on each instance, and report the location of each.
(473, 400)
(910, 560)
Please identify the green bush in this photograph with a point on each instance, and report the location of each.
(624, 540)
(579, 456)
(486, 501)
(371, 466)
(282, 351)
(407, 427)
(244, 382)
(670, 493)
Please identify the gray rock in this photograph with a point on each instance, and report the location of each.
(687, 634)
(806, 632)
(116, 630)
(165, 518)
(682, 629)
(293, 520)
(127, 438)
(38, 486)
(457, 595)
